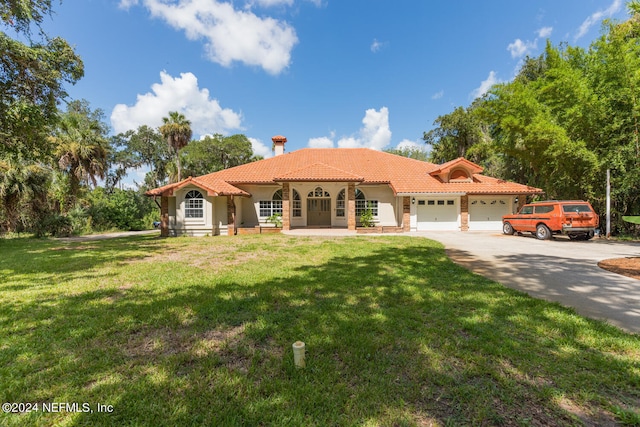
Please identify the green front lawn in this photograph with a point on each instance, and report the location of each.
(198, 331)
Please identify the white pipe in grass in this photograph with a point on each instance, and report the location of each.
(298, 354)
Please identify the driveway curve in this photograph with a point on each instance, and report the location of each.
(558, 270)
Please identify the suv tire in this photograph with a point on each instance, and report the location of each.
(508, 229)
(543, 232)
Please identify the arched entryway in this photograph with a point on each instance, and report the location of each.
(319, 208)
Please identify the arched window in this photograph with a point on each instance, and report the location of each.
(318, 193)
(271, 207)
(194, 204)
(296, 204)
(340, 204)
(362, 204)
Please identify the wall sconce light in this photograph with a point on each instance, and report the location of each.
(413, 201)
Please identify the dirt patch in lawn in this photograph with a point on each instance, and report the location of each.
(629, 267)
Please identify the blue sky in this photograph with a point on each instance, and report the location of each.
(323, 73)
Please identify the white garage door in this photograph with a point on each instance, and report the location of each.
(485, 213)
(438, 214)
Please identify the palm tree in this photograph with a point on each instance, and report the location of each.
(82, 148)
(21, 186)
(177, 131)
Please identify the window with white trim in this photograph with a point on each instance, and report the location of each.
(296, 204)
(194, 205)
(340, 204)
(271, 207)
(362, 203)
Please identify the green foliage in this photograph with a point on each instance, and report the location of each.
(121, 209)
(215, 153)
(20, 14)
(81, 147)
(134, 149)
(32, 78)
(421, 154)
(455, 134)
(54, 225)
(23, 193)
(276, 219)
(367, 218)
(81, 222)
(567, 117)
(176, 130)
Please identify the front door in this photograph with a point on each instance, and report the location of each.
(319, 212)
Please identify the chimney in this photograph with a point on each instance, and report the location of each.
(278, 144)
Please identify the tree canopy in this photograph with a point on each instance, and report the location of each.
(176, 129)
(217, 152)
(568, 116)
(32, 79)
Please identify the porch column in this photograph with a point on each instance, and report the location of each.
(231, 216)
(286, 212)
(351, 206)
(406, 214)
(164, 216)
(464, 213)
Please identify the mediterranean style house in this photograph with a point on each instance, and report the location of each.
(333, 187)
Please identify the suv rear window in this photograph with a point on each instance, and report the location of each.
(544, 209)
(576, 208)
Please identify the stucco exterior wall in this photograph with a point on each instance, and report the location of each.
(389, 206)
(180, 226)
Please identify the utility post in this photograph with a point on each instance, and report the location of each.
(608, 205)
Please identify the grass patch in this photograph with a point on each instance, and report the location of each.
(198, 331)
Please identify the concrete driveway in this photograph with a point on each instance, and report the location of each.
(557, 270)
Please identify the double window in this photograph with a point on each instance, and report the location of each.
(194, 205)
(271, 207)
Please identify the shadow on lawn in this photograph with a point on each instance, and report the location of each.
(396, 334)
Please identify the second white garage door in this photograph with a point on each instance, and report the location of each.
(485, 213)
(438, 214)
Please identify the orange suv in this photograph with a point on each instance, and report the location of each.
(575, 218)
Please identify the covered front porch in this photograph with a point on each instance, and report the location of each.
(328, 204)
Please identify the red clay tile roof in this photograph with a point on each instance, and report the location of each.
(361, 165)
(319, 172)
(460, 161)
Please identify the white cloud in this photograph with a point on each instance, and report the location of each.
(230, 35)
(176, 94)
(545, 32)
(271, 3)
(376, 46)
(274, 3)
(596, 17)
(260, 148)
(519, 48)
(126, 4)
(407, 144)
(438, 95)
(485, 85)
(322, 142)
(375, 133)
